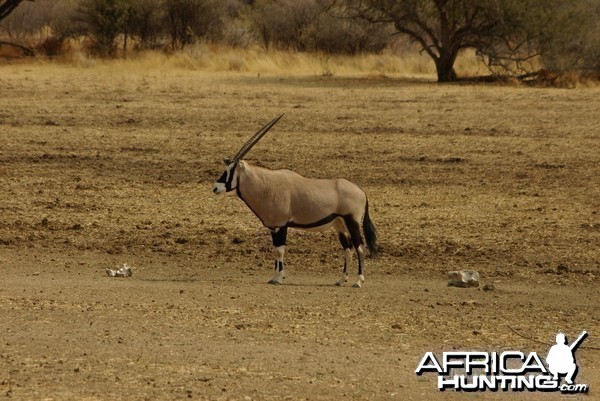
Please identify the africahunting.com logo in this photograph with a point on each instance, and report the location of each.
(508, 370)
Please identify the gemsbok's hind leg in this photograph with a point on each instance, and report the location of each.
(279, 237)
(347, 245)
(357, 242)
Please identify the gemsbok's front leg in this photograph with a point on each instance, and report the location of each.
(279, 236)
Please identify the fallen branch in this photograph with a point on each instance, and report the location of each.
(27, 51)
(527, 77)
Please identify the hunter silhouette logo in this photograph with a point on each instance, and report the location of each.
(561, 357)
(507, 370)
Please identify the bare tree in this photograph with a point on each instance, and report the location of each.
(442, 28)
(508, 34)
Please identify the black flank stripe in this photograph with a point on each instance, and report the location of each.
(319, 223)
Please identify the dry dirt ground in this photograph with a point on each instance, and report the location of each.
(103, 166)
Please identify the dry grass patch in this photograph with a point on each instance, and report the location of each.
(254, 61)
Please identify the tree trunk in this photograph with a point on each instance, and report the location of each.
(444, 66)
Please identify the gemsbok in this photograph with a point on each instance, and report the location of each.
(283, 199)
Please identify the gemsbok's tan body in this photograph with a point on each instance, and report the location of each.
(284, 199)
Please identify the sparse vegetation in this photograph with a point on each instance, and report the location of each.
(532, 39)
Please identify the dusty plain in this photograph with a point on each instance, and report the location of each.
(102, 166)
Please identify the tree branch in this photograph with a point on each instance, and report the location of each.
(8, 6)
(413, 34)
(26, 50)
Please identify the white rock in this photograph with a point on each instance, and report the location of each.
(463, 278)
(124, 271)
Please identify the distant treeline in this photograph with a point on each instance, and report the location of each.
(110, 25)
(512, 36)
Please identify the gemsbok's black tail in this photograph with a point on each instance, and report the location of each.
(370, 233)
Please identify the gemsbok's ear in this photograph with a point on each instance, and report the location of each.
(227, 160)
(242, 165)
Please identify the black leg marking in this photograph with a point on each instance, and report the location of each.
(354, 229)
(357, 241)
(279, 236)
(345, 241)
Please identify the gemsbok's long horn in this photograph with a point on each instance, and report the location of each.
(254, 139)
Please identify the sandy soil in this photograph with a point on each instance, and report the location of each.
(103, 166)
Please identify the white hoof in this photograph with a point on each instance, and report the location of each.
(359, 282)
(342, 281)
(278, 278)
